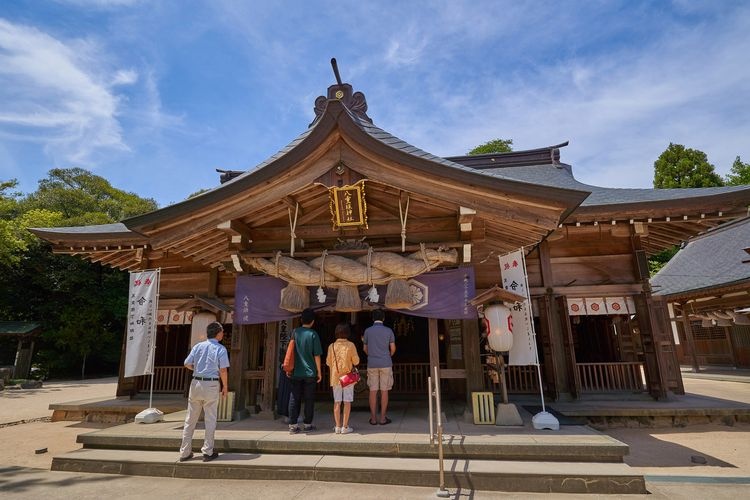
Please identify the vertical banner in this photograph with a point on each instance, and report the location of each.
(142, 318)
(513, 272)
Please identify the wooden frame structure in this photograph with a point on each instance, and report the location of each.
(582, 242)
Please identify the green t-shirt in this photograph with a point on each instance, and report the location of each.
(307, 346)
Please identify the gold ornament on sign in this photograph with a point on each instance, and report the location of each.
(348, 206)
(339, 94)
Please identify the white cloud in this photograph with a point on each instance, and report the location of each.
(125, 77)
(53, 92)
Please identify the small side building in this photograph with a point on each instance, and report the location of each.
(707, 286)
(17, 339)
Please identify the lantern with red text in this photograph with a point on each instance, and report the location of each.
(499, 323)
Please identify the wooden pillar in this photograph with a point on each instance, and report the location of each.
(125, 386)
(237, 364)
(559, 353)
(730, 344)
(546, 322)
(472, 359)
(573, 381)
(270, 349)
(689, 337)
(654, 370)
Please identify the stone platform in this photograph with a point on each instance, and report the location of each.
(576, 459)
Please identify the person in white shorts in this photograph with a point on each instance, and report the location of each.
(341, 358)
(380, 346)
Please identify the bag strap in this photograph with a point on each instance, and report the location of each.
(335, 358)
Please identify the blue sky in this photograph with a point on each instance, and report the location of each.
(155, 95)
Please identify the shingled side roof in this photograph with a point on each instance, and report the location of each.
(713, 259)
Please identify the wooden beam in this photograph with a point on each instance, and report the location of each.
(235, 227)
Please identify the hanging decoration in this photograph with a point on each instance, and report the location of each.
(499, 323)
(348, 206)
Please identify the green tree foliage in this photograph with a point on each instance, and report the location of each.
(82, 305)
(681, 167)
(659, 260)
(739, 174)
(493, 146)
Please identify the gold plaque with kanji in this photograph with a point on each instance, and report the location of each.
(348, 207)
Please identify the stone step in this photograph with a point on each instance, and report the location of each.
(547, 448)
(491, 475)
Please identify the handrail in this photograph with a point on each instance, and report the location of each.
(434, 384)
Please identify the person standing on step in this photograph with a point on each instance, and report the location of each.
(306, 374)
(341, 358)
(380, 346)
(208, 361)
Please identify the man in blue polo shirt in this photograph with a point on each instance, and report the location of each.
(380, 346)
(209, 362)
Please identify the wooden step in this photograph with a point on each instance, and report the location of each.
(491, 475)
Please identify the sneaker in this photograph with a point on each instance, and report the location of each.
(337, 430)
(308, 428)
(212, 456)
(293, 429)
(185, 459)
(346, 430)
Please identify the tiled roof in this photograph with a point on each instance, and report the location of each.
(562, 176)
(710, 260)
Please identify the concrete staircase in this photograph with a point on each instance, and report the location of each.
(576, 459)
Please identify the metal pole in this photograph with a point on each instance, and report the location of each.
(429, 397)
(441, 492)
(153, 339)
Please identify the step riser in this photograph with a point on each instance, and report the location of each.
(566, 453)
(535, 483)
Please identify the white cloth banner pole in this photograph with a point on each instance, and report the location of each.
(523, 352)
(512, 270)
(143, 297)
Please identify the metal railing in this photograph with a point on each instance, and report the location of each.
(433, 392)
(612, 377)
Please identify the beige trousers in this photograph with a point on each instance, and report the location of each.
(204, 395)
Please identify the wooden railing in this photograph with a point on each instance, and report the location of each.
(167, 379)
(520, 379)
(611, 377)
(408, 378)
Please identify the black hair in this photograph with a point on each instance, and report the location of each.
(378, 315)
(213, 329)
(342, 331)
(308, 316)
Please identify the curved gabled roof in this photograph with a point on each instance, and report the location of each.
(360, 130)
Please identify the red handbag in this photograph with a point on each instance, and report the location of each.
(349, 378)
(346, 379)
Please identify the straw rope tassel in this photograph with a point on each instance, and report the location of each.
(293, 226)
(403, 215)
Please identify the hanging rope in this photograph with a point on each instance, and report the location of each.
(403, 215)
(321, 293)
(369, 266)
(424, 257)
(278, 256)
(293, 226)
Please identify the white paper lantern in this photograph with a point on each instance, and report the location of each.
(499, 324)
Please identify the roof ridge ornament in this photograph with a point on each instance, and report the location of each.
(355, 102)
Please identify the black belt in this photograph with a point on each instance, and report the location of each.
(206, 378)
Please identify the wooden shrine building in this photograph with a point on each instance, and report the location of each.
(346, 189)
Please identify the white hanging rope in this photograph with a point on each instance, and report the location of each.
(278, 256)
(293, 226)
(321, 293)
(403, 215)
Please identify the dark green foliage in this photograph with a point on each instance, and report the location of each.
(740, 173)
(82, 306)
(659, 260)
(681, 167)
(493, 146)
